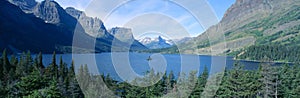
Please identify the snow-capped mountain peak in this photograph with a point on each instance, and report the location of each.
(155, 43)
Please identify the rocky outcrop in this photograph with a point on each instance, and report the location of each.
(123, 34)
(93, 26)
(26, 5)
(126, 35)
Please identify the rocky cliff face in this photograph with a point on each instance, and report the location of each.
(247, 22)
(50, 28)
(93, 26)
(126, 35)
(123, 34)
(21, 32)
(26, 5)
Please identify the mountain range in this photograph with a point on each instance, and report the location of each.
(156, 43)
(247, 23)
(159, 42)
(45, 26)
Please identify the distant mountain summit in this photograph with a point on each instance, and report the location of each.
(155, 43)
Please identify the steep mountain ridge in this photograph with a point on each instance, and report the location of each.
(48, 28)
(20, 31)
(246, 23)
(93, 26)
(26, 5)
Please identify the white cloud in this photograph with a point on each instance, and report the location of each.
(121, 12)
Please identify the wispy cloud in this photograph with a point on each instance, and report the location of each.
(123, 12)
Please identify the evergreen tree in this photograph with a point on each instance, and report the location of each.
(52, 91)
(286, 79)
(62, 79)
(5, 65)
(52, 70)
(28, 84)
(169, 82)
(234, 82)
(201, 82)
(13, 62)
(62, 69)
(3, 91)
(40, 61)
(74, 90)
(28, 63)
(295, 85)
(269, 79)
(21, 67)
(1, 68)
(84, 78)
(212, 87)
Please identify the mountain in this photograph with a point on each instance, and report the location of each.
(180, 41)
(47, 28)
(93, 26)
(126, 35)
(26, 5)
(156, 43)
(247, 23)
(20, 31)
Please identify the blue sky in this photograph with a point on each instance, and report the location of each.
(166, 18)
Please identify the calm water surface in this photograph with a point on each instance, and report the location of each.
(111, 63)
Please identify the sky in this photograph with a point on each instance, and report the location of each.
(172, 19)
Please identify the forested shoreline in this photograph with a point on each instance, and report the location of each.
(279, 53)
(29, 77)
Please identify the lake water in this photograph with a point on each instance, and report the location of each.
(123, 66)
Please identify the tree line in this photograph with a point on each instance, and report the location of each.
(275, 52)
(28, 77)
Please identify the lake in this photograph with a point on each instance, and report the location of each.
(124, 65)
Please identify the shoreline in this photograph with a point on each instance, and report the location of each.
(257, 61)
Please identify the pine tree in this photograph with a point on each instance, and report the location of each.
(52, 91)
(269, 79)
(3, 91)
(201, 82)
(295, 85)
(21, 67)
(74, 90)
(169, 82)
(234, 82)
(28, 63)
(252, 83)
(31, 82)
(52, 70)
(13, 62)
(62, 68)
(40, 61)
(5, 65)
(84, 78)
(62, 79)
(212, 87)
(286, 79)
(1, 68)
